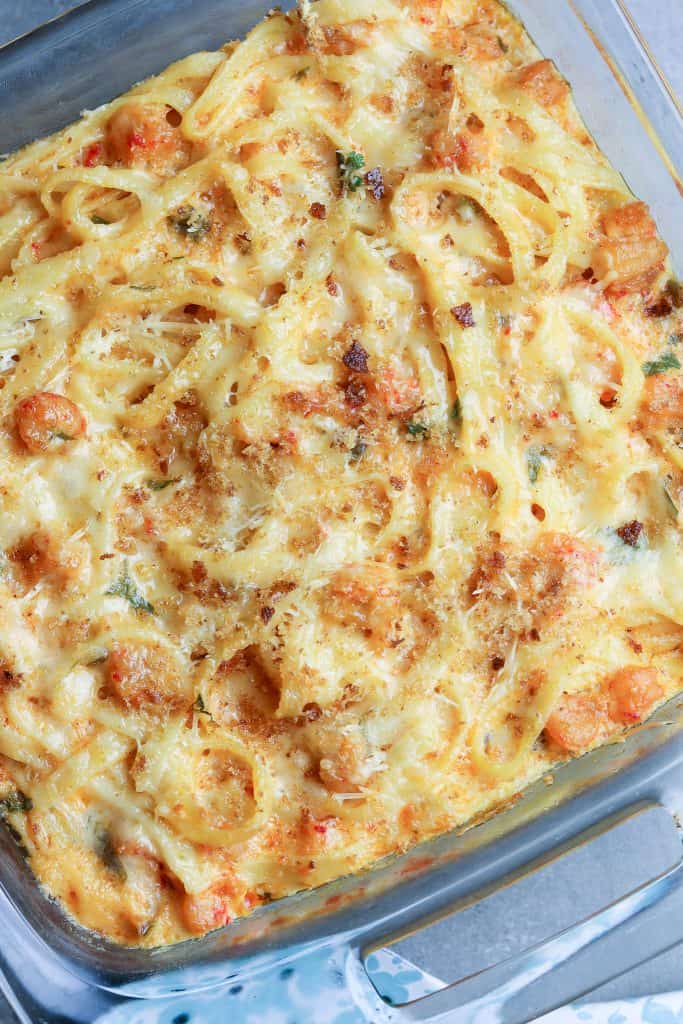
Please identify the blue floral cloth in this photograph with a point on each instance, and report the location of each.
(330, 987)
(324, 988)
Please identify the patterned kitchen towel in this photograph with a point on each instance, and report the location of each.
(323, 988)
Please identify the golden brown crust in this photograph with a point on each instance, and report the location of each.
(340, 471)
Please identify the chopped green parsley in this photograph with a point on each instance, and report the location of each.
(667, 361)
(189, 221)
(348, 165)
(161, 485)
(15, 803)
(417, 431)
(125, 587)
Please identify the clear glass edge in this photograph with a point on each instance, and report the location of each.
(591, 775)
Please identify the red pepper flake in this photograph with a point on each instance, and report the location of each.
(267, 613)
(588, 274)
(631, 533)
(137, 140)
(35, 250)
(397, 483)
(93, 154)
(374, 182)
(320, 827)
(497, 663)
(554, 414)
(463, 314)
(356, 358)
(318, 210)
(332, 286)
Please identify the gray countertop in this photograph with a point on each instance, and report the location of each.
(512, 921)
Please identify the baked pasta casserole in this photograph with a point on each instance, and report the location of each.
(341, 461)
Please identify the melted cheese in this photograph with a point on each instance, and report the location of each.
(340, 461)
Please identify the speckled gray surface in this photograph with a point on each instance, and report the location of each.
(512, 921)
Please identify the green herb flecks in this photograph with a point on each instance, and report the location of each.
(107, 853)
(667, 361)
(15, 803)
(161, 485)
(200, 707)
(189, 221)
(456, 412)
(348, 165)
(417, 431)
(18, 838)
(358, 451)
(535, 458)
(125, 587)
(98, 657)
(96, 219)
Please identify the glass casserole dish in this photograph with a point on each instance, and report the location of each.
(90, 56)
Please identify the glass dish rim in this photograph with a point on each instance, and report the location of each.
(160, 958)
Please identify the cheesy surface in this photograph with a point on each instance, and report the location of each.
(341, 462)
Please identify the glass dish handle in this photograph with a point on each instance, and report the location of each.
(629, 932)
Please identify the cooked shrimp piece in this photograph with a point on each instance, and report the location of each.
(542, 81)
(50, 558)
(565, 558)
(370, 601)
(140, 134)
(631, 254)
(399, 391)
(633, 693)
(468, 150)
(341, 771)
(663, 400)
(141, 894)
(630, 221)
(576, 722)
(45, 417)
(343, 40)
(483, 43)
(146, 676)
(203, 912)
(624, 698)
